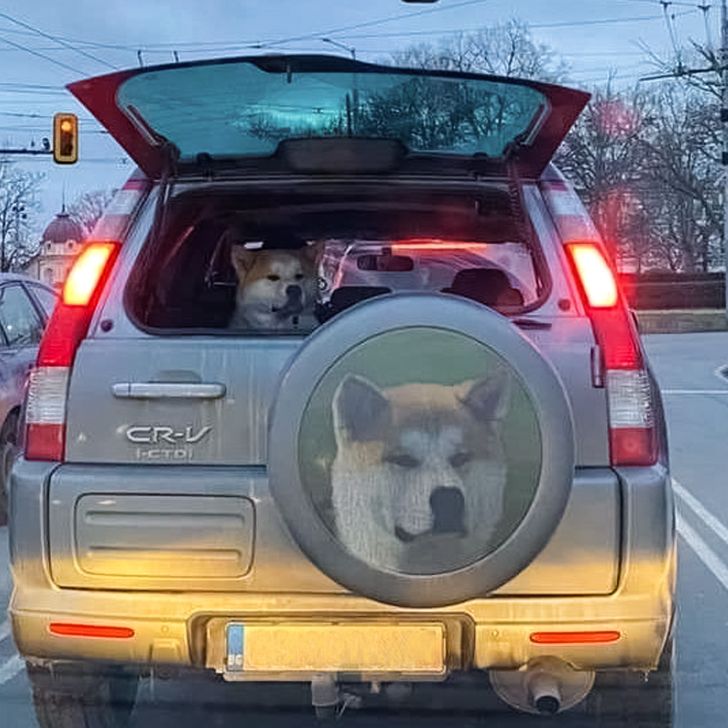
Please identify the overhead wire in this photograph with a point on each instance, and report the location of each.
(55, 39)
(273, 41)
(56, 62)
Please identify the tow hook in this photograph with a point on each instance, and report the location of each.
(325, 696)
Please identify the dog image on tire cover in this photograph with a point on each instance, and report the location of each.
(420, 470)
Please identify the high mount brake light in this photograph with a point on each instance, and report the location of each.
(632, 434)
(45, 413)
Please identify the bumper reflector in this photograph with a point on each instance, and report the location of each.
(69, 629)
(575, 638)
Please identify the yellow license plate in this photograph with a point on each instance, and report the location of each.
(412, 648)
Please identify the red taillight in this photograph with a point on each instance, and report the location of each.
(632, 437)
(71, 629)
(600, 286)
(45, 411)
(86, 273)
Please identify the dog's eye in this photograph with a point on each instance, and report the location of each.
(273, 277)
(402, 460)
(460, 458)
(299, 276)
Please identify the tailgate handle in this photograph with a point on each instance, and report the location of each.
(167, 390)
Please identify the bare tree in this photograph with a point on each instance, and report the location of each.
(505, 49)
(604, 157)
(89, 207)
(18, 199)
(684, 173)
(645, 162)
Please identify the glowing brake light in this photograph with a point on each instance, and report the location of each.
(632, 437)
(86, 273)
(45, 411)
(621, 366)
(595, 275)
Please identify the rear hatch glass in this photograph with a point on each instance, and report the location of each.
(233, 108)
(266, 262)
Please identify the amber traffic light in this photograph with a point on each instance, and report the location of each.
(65, 138)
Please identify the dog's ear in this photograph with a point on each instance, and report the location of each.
(313, 252)
(489, 398)
(242, 259)
(360, 410)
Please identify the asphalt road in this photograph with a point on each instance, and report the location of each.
(696, 401)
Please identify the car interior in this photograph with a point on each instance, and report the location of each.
(456, 246)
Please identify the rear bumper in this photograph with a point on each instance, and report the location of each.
(189, 631)
(186, 628)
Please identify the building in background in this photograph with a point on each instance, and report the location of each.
(60, 244)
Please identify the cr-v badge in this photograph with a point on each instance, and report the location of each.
(158, 442)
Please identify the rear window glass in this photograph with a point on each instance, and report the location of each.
(229, 109)
(261, 264)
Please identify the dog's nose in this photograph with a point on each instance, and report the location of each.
(448, 510)
(294, 293)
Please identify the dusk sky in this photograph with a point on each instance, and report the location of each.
(595, 37)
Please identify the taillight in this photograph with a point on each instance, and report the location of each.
(45, 412)
(632, 436)
(600, 287)
(85, 275)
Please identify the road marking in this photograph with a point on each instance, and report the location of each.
(706, 554)
(4, 630)
(695, 391)
(700, 511)
(11, 668)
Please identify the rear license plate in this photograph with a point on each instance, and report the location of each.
(411, 648)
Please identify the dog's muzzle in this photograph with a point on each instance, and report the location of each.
(448, 511)
(293, 305)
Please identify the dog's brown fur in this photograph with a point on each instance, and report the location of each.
(266, 279)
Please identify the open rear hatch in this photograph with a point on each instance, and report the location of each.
(224, 111)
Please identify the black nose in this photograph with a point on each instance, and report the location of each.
(294, 293)
(448, 509)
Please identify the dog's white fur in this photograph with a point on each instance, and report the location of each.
(262, 300)
(396, 446)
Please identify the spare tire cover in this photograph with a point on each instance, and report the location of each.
(421, 449)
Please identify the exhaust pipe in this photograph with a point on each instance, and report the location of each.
(545, 693)
(545, 686)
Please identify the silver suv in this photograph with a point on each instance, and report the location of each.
(343, 391)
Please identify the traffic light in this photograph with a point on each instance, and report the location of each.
(65, 138)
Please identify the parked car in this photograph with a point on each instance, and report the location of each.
(25, 306)
(271, 437)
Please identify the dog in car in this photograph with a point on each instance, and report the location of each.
(276, 287)
(420, 470)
